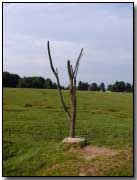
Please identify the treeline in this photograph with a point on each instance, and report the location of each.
(14, 80)
(118, 86)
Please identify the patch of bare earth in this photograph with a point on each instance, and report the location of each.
(91, 152)
(102, 159)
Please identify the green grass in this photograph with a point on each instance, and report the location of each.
(34, 126)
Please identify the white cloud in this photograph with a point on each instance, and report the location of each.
(35, 52)
(105, 33)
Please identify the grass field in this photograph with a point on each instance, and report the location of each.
(34, 126)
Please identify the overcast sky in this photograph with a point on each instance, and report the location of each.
(104, 30)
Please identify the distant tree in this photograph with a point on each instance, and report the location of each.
(19, 83)
(6, 79)
(128, 87)
(102, 87)
(119, 86)
(48, 84)
(10, 80)
(93, 87)
(38, 82)
(26, 82)
(122, 86)
(82, 86)
(55, 86)
(32, 82)
(86, 86)
(110, 87)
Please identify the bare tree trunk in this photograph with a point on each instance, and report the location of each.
(73, 108)
(72, 124)
(72, 88)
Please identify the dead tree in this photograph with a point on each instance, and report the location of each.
(72, 88)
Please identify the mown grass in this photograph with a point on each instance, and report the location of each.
(34, 126)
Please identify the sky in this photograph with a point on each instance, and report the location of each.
(104, 30)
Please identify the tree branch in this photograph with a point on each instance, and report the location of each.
(58, 83)
(50, 59)
(77, 63)
(69, 70)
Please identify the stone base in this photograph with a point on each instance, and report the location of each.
(74, 142)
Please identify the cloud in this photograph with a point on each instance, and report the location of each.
(103, 30)
(62, 50)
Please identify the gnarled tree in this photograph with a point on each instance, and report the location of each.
(72, 88)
